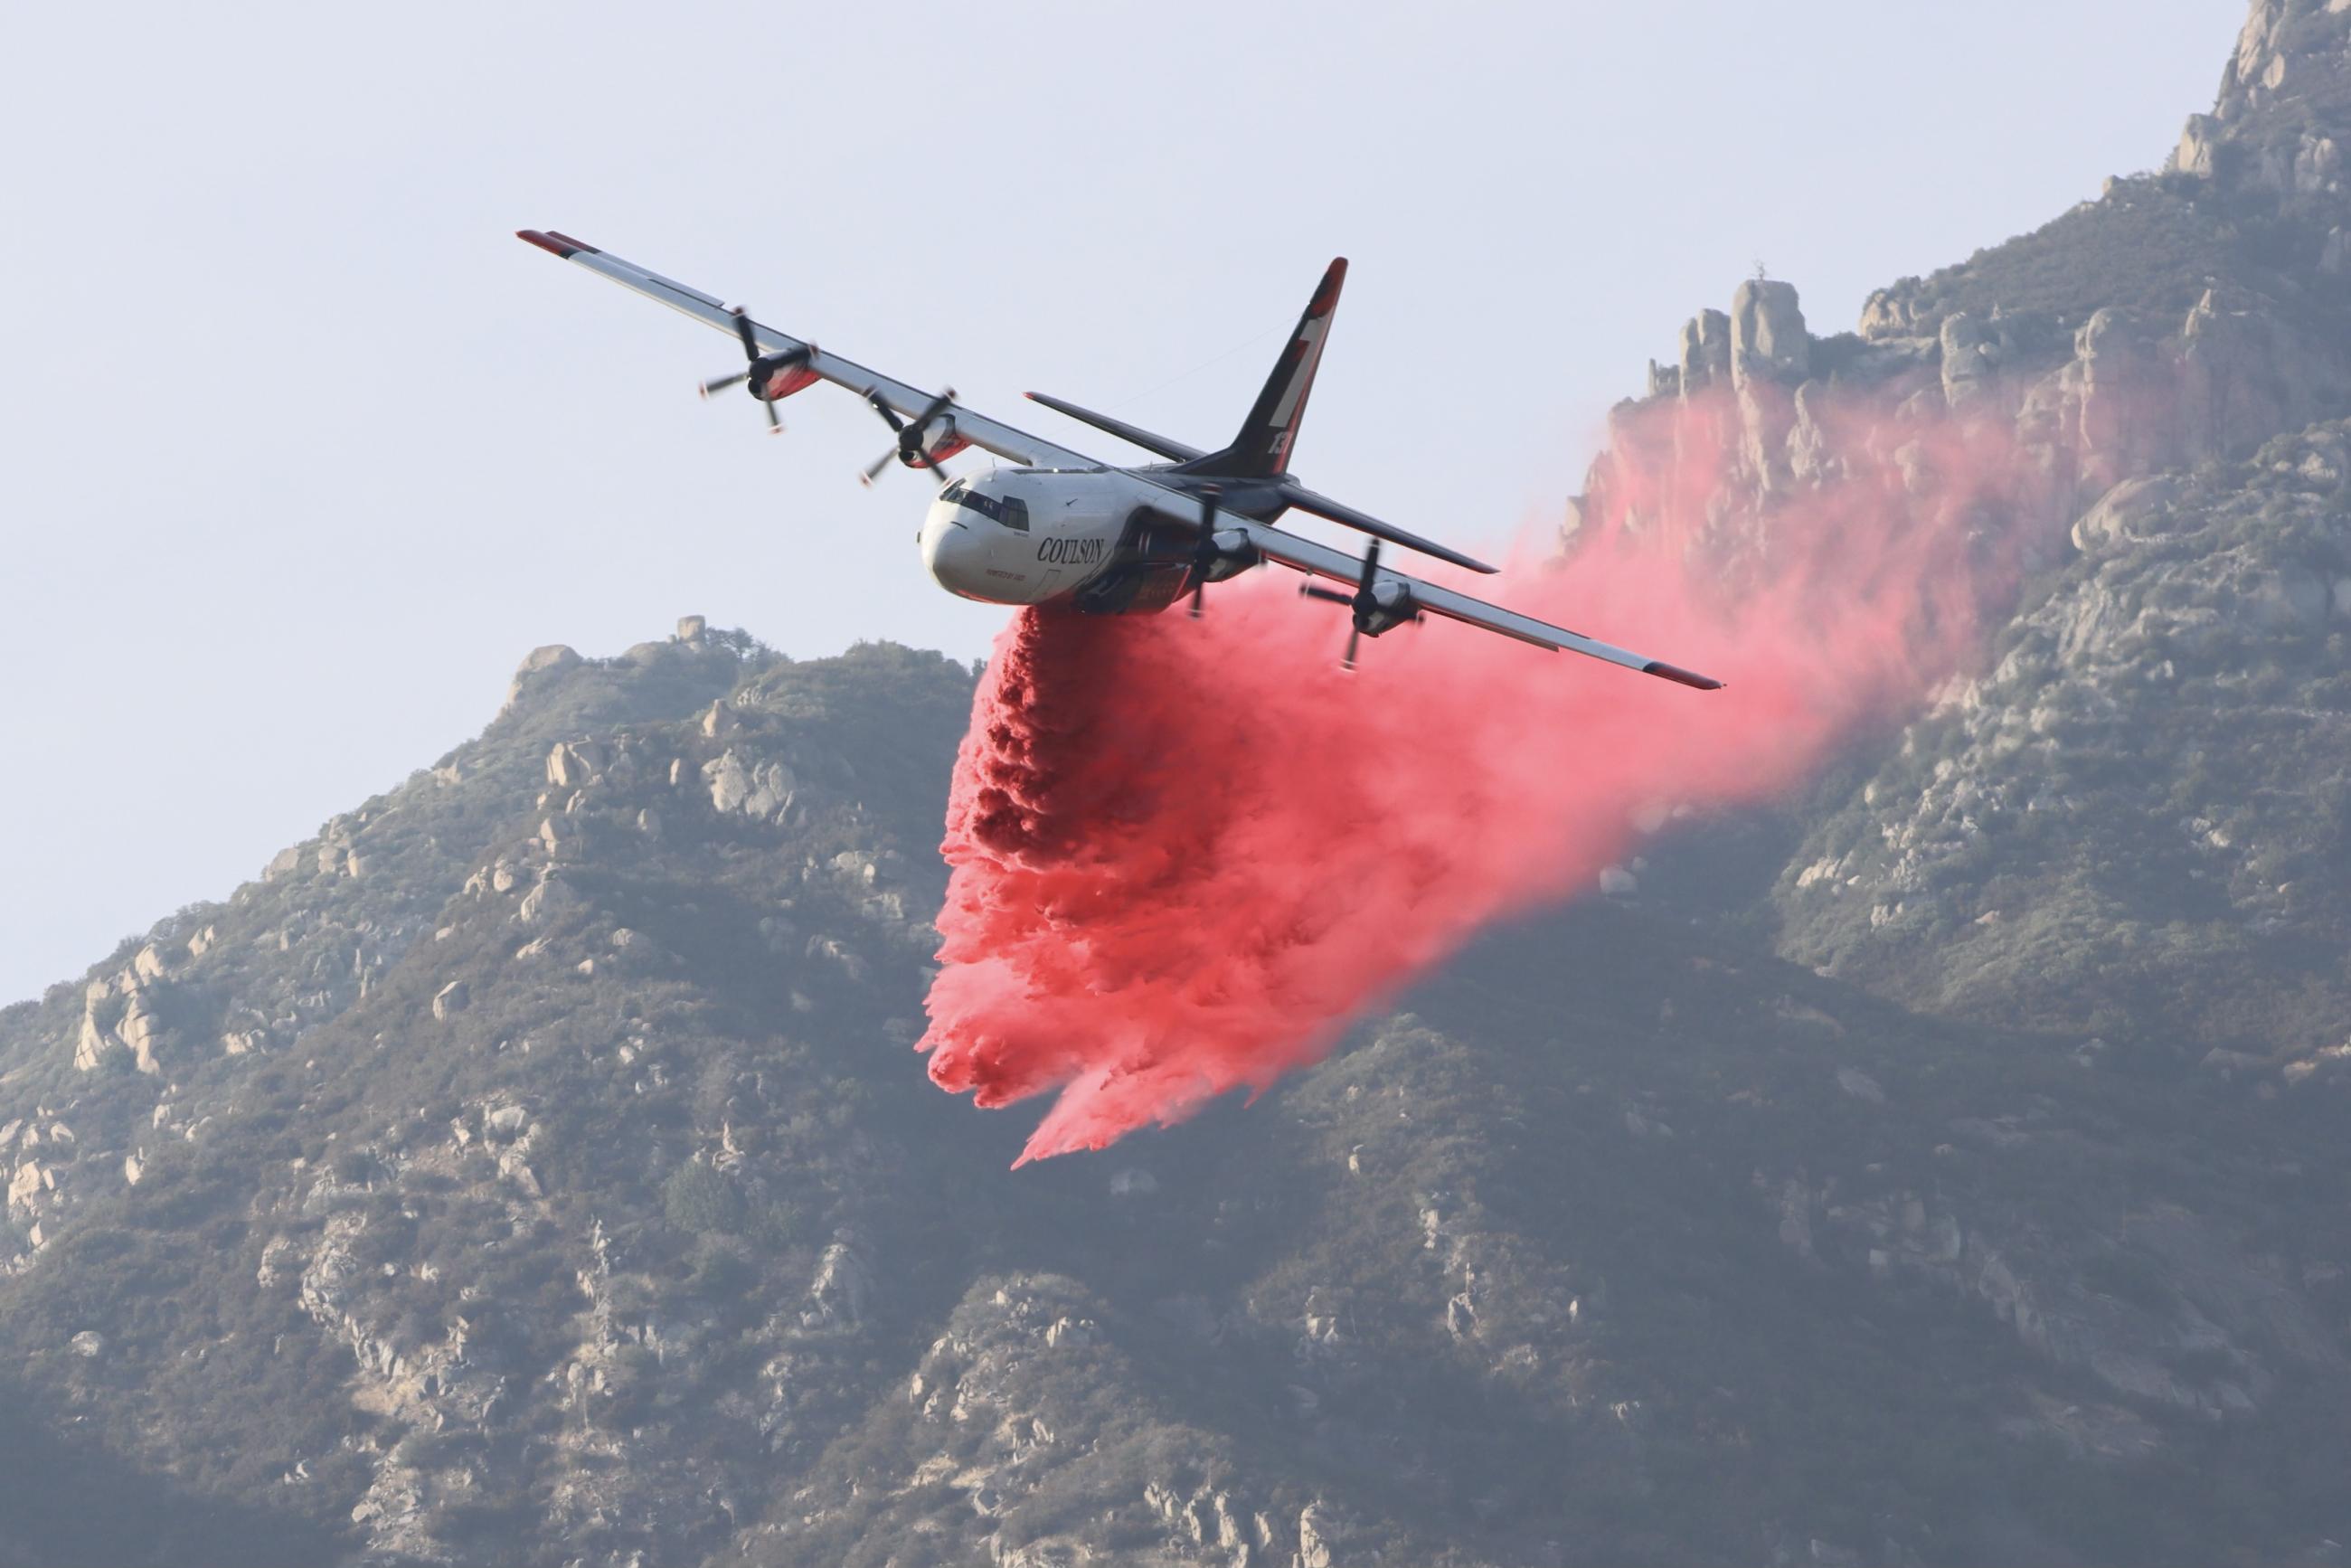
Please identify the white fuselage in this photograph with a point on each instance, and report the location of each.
(1023, 536)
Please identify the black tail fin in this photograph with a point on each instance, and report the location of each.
(1261, 450)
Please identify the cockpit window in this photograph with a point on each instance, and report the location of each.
(1012, 512)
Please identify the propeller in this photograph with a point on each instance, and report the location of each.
(1204, 549)
(912, 447)
(758, 369)
(1361, 601)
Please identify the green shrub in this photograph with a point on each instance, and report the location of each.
(699, 1199)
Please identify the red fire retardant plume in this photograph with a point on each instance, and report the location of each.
(1186, 854)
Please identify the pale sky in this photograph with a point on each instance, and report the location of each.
(304, 451)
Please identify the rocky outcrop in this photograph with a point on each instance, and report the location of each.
(2190, 592)
(756, 787)
(1705, 353)
(538, 666)
(1768, 338)
(121, 1015)
(2158, 1307)
(623, 1258)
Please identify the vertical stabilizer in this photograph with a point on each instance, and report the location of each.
(1261, 450)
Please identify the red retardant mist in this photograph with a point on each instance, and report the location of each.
(1185, 853)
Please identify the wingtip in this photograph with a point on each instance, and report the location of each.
(1674, 672)
(555, 241)
(1326, 292)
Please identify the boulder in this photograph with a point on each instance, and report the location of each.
(1889, 313)
(1973, 351)
(550, 895)
(2198, 151)
(450, 998)
(729, 781)
(1314, 1533)
(92, 1043)
(541, 663)
(573, 763)
(1768, 338)
(145, 1034)
(1704, 351)
(761, 790)
(2125, 513)
(513, 1166)
(843, 1283)
(2120, 379)
(26, 1185)
(1860, 1085)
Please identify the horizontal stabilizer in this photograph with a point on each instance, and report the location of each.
(1306, 500)
(1174, 451)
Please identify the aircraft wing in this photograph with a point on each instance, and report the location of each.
(1020, 446)
(1321, 560)
(992, 435)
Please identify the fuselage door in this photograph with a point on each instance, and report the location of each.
(1012, 549)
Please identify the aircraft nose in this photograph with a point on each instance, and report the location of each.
(957, 557)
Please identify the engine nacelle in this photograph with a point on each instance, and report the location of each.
(782, 380)
(943, 442)
(1392, 606)
(1234, 554)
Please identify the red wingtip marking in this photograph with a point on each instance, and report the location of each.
(554, 245)
(1664, 671)
(1326, 294)
(574, 244)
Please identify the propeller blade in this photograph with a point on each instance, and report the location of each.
(720, 384)
(1363, 605)
(743, 330)
(874, 469)
(889, 415)
(1328, 595)
(775, 424)
(1203, 549)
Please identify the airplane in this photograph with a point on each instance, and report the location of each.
(1058, 527)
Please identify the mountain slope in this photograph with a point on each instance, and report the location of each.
(615, 1217)
(531, 1166)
